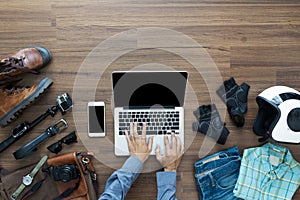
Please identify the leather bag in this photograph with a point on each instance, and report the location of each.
(82, 188)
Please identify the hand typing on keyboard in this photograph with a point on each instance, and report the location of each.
(158, 122)
(137, 144)
(173, 153)
(121, 180)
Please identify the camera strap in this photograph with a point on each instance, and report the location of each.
(36, 186)
(69, 191)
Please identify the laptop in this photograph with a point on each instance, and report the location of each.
(153, 97)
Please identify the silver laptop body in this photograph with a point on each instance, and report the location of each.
(153, 97)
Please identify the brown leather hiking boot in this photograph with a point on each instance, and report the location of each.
(26, 60)
(14, 101)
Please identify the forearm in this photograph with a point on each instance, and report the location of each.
(166, 185)
(121, 180)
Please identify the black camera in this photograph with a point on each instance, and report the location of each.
(65, 173)
(64, 102)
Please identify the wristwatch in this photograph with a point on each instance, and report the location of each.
(27, 180)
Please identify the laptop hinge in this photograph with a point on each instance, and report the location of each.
(147, 107)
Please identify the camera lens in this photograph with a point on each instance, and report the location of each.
(65, 173)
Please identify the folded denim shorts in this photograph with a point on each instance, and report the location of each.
(216, 175)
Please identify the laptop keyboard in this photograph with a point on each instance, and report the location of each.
(158, 122)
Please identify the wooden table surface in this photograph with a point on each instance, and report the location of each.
(256, 42)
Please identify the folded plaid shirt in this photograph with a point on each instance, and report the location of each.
(268, 172)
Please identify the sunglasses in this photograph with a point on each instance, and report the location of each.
(68, 139)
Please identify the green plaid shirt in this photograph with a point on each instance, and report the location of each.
(266, 173)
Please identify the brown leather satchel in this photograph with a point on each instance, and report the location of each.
(82, 188)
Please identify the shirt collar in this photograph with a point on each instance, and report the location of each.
(286, 160)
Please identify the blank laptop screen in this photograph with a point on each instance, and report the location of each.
(149, 89)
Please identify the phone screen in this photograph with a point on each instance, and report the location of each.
(96, 119)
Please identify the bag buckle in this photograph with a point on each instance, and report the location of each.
(87, 162)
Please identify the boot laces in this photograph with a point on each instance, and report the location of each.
(15, 89)
(12, 64)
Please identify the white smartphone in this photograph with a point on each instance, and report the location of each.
(96, 119)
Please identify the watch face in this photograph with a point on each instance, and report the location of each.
(27, 180)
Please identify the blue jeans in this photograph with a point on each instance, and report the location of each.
(216, 175)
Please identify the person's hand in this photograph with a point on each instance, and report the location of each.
(137, 144)
(171, 160)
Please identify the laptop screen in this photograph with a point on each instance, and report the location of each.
(149, 89)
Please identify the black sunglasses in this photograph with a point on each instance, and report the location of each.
(68, 139)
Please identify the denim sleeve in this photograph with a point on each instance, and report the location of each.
(166, 185)
(121, 180)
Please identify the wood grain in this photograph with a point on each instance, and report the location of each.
(254, 41)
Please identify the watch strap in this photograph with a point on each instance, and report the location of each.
(20, 189)
(18, 192)
(38, 166)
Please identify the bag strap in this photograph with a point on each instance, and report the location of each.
(34, 188)
(83, 158)
(68, 192)
(86, 160)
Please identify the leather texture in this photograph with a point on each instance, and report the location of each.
(8, 100)
(69, 159)
(33, 59)
(45, 53)
(10, 181)
(85, 189)
(51, 189)
(14, 100)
